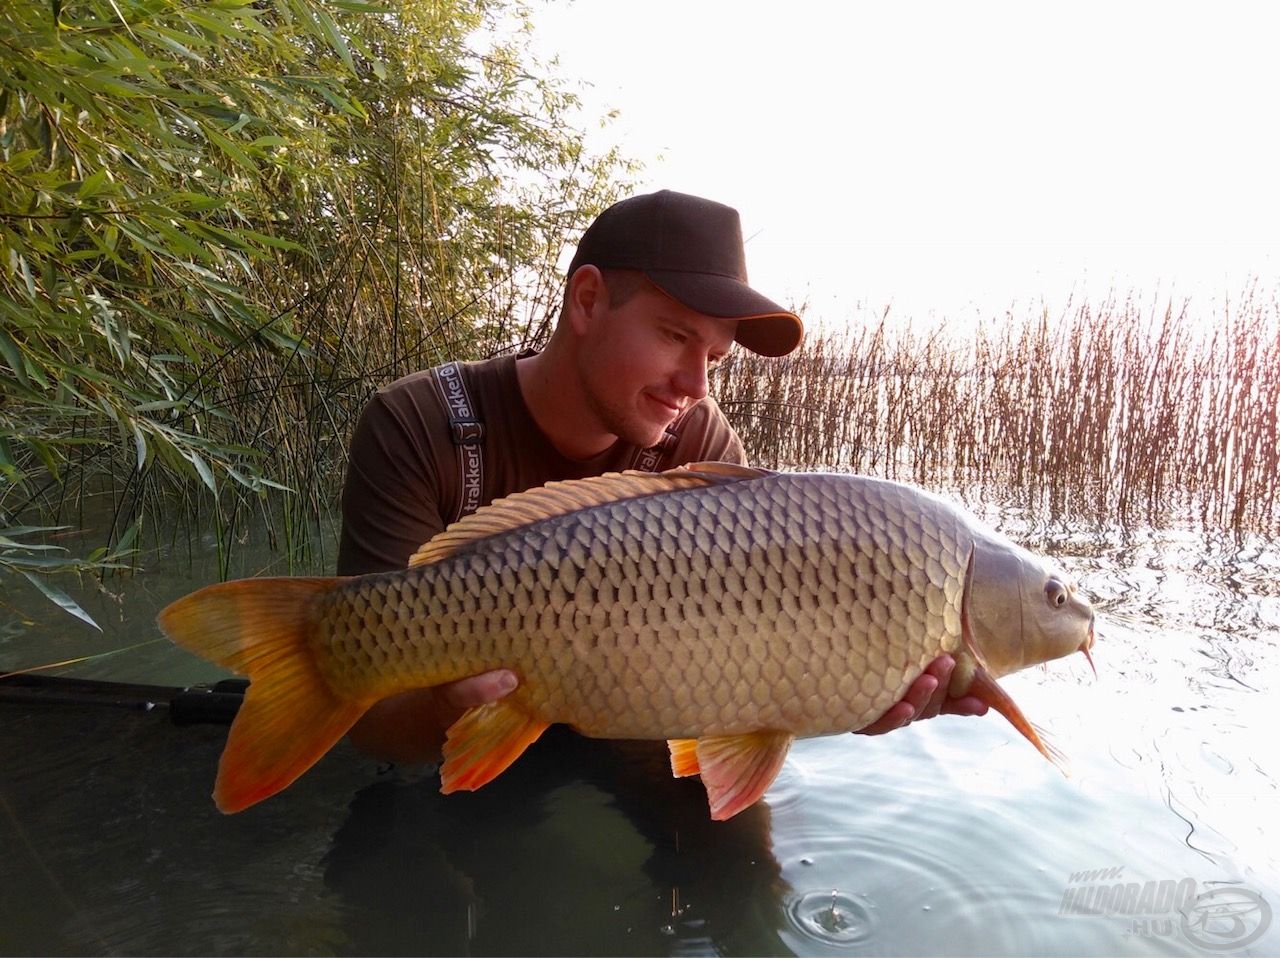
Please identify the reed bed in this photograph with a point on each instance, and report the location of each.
(1111, 410)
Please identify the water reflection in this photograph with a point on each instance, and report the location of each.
(953, 837)
(581, 847)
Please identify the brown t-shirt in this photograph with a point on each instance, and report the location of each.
(403, 475)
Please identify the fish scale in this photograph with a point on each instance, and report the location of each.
(621, 619)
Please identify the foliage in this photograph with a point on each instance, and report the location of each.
(223, 222)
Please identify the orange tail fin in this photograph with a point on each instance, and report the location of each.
(290, 717)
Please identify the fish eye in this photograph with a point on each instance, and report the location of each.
(1056, 592)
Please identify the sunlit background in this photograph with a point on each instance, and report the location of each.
(952, 159)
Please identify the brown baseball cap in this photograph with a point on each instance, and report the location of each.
(691, 249)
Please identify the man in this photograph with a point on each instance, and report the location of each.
(656, 295)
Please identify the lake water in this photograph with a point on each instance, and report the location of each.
(951, 837)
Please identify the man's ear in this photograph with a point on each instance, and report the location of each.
(587, 298)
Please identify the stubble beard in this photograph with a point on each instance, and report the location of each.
(627, 422)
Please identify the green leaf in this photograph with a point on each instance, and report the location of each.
(13, 356)
(31, 530)
(26, 276)
(332, 34)
(93, 184)
(60, 599)
(7, 543)
(46, 454)
(130, 535)
(140, 445)
(203, 469)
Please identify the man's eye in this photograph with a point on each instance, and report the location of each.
(677, 337)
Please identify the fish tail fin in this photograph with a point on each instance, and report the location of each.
(290, 716)
(988, 690)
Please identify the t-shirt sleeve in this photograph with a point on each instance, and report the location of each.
(390, 500)
(706, 436)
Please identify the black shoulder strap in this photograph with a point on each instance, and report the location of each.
(466, 429)
(648, 460)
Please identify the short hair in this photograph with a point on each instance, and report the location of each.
(620, 284)
(623, 284)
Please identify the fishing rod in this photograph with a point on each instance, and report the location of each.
(215, 704)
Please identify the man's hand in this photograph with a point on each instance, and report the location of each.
(926, 698)
(410, 727)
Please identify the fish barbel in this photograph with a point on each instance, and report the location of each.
(723, 608)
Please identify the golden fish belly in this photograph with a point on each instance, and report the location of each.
(801, 603)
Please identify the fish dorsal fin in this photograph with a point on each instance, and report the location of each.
(570, 495)
(726, 470)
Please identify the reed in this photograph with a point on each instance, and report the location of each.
(1114, 409)
(223, 226)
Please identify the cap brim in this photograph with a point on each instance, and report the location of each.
(765, 327)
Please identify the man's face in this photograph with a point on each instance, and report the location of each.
(643, 363)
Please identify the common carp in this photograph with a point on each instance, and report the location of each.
(723, 608)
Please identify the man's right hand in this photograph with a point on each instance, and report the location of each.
(410, 727)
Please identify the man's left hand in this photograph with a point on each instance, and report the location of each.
(926, 698)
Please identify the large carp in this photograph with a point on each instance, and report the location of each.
(723, 608)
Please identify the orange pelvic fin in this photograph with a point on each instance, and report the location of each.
(985, 688)
(290, 717)
(480, 745)
(684, 757)
(738, 769)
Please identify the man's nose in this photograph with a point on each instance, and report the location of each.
(691, 379)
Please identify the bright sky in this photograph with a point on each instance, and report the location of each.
(954, 157)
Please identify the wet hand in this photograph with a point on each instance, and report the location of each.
(926, 698)
(475, 690)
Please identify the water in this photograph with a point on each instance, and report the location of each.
(950, 837)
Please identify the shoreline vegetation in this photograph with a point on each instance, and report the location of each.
(1105, 411)
(222, 226)
(222, 223)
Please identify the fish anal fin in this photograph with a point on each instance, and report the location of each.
(684, 757)
(985, 688)
(738, 769)
(290, 716)
(566, 496)
(483, 743)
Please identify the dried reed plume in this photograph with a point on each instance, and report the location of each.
(1111, 410)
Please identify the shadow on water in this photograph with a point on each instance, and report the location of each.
(112, 845)
(581, 847)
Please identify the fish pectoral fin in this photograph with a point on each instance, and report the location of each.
(738, 769)
(684, 757)
(985, 688)
(483, 743)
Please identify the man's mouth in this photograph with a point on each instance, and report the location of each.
(671, 407)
